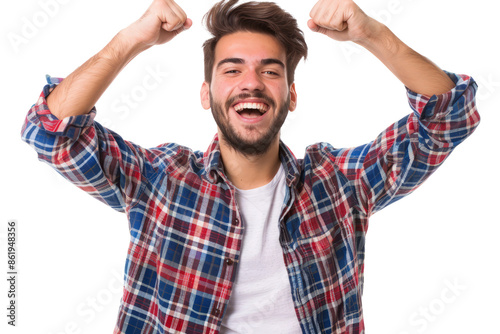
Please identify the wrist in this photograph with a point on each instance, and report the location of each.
(384, 44)
(121, 49)
(378, 38)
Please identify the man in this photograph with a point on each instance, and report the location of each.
(244, 237)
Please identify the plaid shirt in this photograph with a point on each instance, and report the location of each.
(186, 230)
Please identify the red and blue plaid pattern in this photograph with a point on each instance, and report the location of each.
(186, 231)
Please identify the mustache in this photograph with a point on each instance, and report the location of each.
(242, 96)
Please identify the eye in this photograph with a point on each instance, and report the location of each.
(271, 73)
(231, 71)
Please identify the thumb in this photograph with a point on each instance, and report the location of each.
(334, 34)
(313, 26)
(177, 30)
(187, 24)
(316, 28)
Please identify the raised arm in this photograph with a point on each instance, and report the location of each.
(79, 92)
(60, 125)
(343, 20)
(410, 150)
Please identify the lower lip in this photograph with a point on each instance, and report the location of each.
(250, 120)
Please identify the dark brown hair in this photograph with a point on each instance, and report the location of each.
(262, 17)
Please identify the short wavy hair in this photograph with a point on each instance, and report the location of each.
(225, 18)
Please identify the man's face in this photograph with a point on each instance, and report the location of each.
(249, 94)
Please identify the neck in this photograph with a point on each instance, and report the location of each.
(249, 172)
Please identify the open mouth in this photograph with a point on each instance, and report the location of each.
(251, 109)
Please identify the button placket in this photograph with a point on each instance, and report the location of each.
(216, 311)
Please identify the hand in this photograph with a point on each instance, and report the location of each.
(161, 22)
(342, 20)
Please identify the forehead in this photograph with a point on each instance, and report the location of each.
(250, 46)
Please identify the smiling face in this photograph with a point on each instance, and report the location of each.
(249, 94)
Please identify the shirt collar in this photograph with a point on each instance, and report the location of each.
(290, 165)
(215, 170)
(212, 161)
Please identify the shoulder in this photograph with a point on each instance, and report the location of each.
(318, 152)
(172, 156)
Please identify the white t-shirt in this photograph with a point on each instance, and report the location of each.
(261, 301)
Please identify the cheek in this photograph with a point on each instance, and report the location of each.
(220, 92)
(279, 88)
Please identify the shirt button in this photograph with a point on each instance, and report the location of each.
(236, 221)
(216, 312)
(229, 261)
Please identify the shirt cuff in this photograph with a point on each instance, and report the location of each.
(41, 116)
(439, 106)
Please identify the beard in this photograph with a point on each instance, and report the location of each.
(235, 140)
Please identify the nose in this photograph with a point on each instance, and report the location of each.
(251, 81)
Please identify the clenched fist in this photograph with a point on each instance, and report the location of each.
(161, 22)
(342, 20)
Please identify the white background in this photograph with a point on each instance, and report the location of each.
(71, 248)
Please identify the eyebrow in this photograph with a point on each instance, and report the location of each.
(265, 61)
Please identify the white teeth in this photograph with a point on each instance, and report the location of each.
(250, 105)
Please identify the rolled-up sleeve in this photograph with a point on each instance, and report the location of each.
(409, 151)
(90, 156)
(448, 119)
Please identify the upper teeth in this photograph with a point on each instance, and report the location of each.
(249, 105)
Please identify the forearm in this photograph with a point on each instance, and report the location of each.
(415, 71)
(79, 92)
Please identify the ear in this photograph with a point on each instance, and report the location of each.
(293, 98)
(205, 95)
